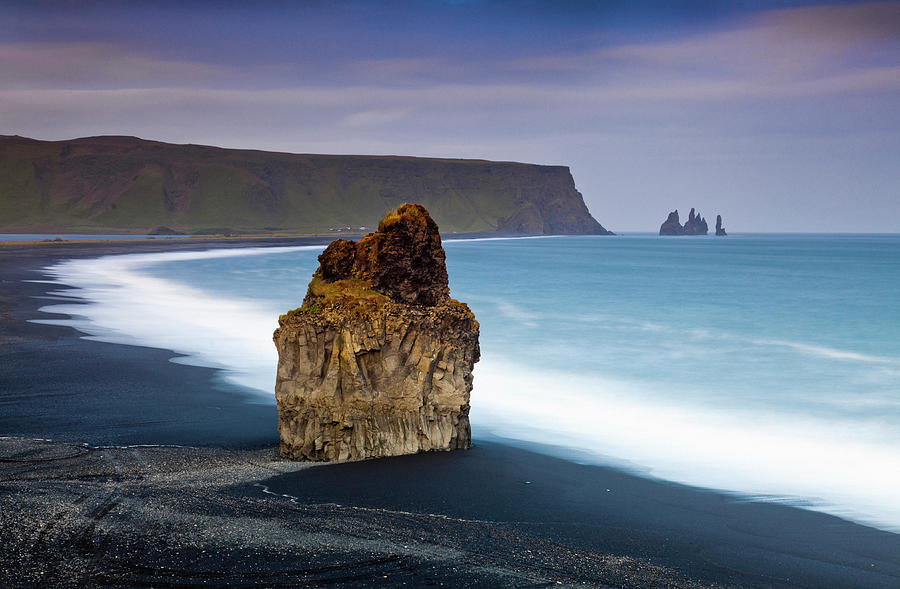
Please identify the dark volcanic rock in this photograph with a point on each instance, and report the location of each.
(720, 230)
(554, 207)
(672, 226)
(403, 260)
(695, 225)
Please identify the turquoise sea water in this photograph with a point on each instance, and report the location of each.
(767, 365)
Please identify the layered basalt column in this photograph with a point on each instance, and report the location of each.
(378, 360)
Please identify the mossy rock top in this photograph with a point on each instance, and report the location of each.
(403, 261)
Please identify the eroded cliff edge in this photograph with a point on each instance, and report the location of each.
(378, 360)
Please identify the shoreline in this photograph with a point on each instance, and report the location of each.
(89, 396)
(468, 515)
(199, 241)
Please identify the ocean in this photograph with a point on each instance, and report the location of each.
(766, 366)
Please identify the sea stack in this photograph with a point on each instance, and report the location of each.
(671, 226)
(695, 225)
(719, 229)
(378, 360)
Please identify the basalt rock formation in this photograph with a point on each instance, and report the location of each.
(671, 226)
(378, 360)
(695, 225)
(720, 230)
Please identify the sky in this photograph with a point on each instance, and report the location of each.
(778, 115)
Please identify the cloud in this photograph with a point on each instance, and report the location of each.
(802, 52)
(390, 69)
(841, 23)
(93, 65)
(752, 111)
(372, 118)
(760, 69)
(819, 50)
(361, 106)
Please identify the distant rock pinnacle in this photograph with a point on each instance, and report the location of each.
(720, 230)
(672, 226)
(695, 225)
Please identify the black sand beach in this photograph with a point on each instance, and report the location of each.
(209, 502)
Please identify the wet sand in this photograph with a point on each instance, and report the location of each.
(96, 508)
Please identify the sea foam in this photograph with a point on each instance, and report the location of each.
(840, 468)
(118, 303)
(823, 461)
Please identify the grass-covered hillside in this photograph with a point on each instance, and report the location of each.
(129, 185)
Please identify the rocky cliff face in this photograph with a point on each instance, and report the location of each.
(129, 185)
(378, 361)
(551, 206)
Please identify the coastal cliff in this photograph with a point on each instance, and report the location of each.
(378, 360)
(130, 185)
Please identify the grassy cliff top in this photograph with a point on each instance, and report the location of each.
(130, 185)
